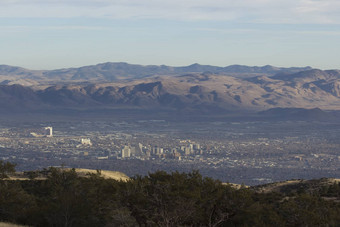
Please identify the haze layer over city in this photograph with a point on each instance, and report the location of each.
(245, 92)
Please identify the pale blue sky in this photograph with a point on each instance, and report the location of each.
(50, 34)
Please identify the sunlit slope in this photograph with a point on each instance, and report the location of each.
(5, 224)
(42, 175)
(104, 173)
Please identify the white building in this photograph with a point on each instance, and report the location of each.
(86, 142)
(48, 131)
(126, 152)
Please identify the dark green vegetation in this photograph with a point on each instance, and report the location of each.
(6, 168)
(160, 199)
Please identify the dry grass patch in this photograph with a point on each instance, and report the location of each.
(104, 173)
(5, 224)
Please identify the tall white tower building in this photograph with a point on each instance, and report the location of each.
(126, 152)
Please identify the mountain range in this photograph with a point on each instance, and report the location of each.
(110, 72)
(195, 88)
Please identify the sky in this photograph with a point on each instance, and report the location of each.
(51, 34)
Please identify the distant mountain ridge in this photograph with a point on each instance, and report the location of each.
(297, 114)
(195, 92)
(110, 72)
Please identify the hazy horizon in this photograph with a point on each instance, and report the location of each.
(133, 63)
(61, 34)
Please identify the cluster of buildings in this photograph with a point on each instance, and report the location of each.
(105, 148)
(185, 148)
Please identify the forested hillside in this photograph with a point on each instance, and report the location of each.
(160, 199)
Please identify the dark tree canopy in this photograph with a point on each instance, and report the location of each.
(159, 199)
(6, 168)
